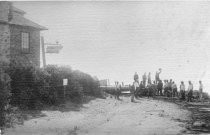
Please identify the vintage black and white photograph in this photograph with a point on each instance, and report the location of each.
(117, 67)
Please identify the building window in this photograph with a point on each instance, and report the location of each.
(25, 42)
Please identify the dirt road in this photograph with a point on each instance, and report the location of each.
(110, 117)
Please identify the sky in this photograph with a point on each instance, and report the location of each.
(113, 40)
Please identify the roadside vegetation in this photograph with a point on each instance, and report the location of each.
(27, 88)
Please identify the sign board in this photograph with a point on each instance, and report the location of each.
(65, 82)
(53, 48)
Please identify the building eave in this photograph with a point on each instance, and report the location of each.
(22, 21)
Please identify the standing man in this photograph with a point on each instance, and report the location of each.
(182, 90)
(149, 78)
(157, 75)
(200, 90)
(136, 77)
(165, 88)
(174, 89)
(141, 88)
(144, 78)
(160, 88)
(133, 90)
(118, 87)
(190, 92)
(170, 88)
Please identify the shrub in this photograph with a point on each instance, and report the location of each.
(34, 88)
(4, 95)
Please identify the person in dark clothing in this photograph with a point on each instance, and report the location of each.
(144, 78)
(167, 90)
(152, 88)
(149, 78)
(136, 77)
(182, 91)
(170, 88)
(139, 89)
(174, 89)
(190, 92)
(160, 87)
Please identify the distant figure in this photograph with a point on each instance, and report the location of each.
(133, 90)
(122, 83)
(174, 89)
(167, 89)
(160, 87)
(182, 91)
(154, 87)
(157, 75)
(117, 91)
(141, 85)
(151, 89)
(149, 78)
(140, 89)
(136, 77)
(190, 92)
(200, 91)
(144, 78)
(170, 88)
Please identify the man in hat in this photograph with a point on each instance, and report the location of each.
(149, 78)
(157, 75)
(190, 92)
(136, 77)
(133, 90)
(160, 88)
(174, 89)
(182, 90)
(144, 78)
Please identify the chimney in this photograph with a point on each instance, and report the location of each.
(5, 8)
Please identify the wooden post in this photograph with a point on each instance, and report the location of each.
(43, 52)
(64, 93)
(65, 83)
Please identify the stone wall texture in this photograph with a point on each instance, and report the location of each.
(4, 34)
(10, 42)
(4, 45)
(4, 11)
(18, 57)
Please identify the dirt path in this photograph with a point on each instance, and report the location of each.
(106, 117)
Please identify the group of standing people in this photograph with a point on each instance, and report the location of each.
(190, 91)
(169, 88)
(147, 78)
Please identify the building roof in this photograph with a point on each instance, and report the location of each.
(18, 19)
(14, 9)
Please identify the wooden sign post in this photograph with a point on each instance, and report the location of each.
(50, 48)
(65, 83)
(43, 52)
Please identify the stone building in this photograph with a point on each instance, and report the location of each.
(19, 37)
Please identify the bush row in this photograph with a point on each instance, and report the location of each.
(4, 95)
(33, 88)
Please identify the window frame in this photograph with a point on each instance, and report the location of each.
(25, 50)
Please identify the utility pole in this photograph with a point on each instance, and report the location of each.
(43, 52)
